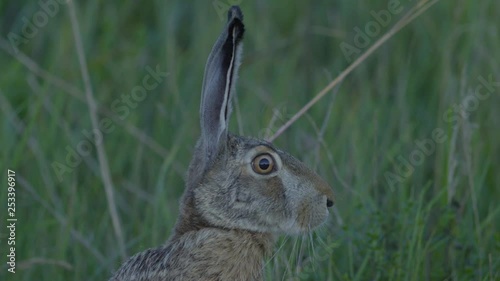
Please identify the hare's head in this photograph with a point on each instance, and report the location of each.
(236, 182)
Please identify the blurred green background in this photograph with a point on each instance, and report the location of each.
(409, 207)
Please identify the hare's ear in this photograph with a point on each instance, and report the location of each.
(218, 84)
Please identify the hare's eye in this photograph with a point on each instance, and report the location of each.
(263, 164)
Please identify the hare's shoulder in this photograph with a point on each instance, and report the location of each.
(208, 254)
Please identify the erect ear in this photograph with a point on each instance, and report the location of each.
(221, 72)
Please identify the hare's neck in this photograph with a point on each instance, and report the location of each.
(243, 253)
(229, 254)
(189, 222)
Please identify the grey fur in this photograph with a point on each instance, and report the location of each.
(230, 214)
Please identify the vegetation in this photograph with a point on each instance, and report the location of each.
(416, 177)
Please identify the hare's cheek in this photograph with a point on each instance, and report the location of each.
(273, 189)
(243, 191)
(242, 195)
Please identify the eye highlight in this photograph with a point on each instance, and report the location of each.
(263, 164)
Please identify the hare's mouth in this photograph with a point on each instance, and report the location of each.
(311, 215)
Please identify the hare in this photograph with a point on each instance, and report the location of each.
(240, 192)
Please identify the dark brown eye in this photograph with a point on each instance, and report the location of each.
(263, 164)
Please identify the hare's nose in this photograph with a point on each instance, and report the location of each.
(329, 203)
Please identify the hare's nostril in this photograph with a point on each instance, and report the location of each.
(329, 203)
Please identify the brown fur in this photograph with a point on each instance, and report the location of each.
(208, 254)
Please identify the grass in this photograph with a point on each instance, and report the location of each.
(436, 219)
